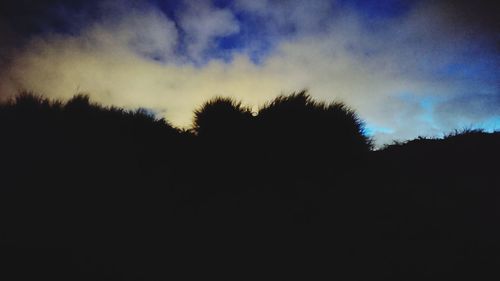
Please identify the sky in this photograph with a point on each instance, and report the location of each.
(409, 68)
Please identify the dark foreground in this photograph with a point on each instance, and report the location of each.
(92, 193)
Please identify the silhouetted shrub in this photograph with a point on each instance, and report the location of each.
(30, 101)
(78, 101)
(298, 131)
(222, 118)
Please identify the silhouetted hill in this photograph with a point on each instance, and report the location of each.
(293, 191)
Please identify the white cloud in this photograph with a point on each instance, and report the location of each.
(203, 23)
(146, 31)
(373, 69)
(300, 16)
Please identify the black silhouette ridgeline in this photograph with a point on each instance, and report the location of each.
(293, 191)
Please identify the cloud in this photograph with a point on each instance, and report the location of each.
(142, 29)
(8, 38)
(406, 76)
(289, 16)
(468, 16)
(461, 111)
(202, 24)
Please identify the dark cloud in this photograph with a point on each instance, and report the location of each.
(29, 17)
(478, 18)
(481, 14)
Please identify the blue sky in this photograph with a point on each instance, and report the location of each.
(408, 68)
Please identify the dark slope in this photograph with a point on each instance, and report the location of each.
(442, 198)
(292, 192)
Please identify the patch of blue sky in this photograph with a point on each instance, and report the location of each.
(477, 69)
(372, 129)
(379, 9)
(252, 39)
(169, 8)
(224, 49)
(491, 124)
(222, 3)
(427, 103)
(256, 49)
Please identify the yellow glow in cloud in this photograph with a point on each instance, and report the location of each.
(107, 61)
(101, 64)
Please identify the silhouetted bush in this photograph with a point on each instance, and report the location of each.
(78, 103)
(27, 101)
(296, 131)
(223, 119)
